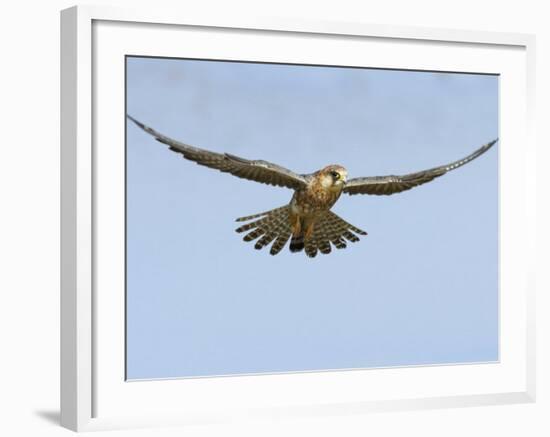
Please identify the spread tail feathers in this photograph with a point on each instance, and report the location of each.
(271, 225)
(331, 229)
(274, 226)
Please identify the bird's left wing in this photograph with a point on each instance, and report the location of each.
(254, 170)
(386, 185)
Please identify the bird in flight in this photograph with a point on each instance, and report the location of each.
(307, 220)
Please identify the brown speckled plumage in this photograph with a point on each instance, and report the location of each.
(307, 220)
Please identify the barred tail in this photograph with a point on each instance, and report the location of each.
(274, 226)
(331, 229)
(271, 226)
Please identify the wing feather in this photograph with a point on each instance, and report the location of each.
(255, 170)
(386, 185)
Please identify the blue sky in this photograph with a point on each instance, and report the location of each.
(421, 288)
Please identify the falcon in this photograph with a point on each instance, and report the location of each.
(307, 220)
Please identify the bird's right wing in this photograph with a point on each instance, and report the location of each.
(386, 185)
(254, 170)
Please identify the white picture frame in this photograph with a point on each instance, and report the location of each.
(94, 394)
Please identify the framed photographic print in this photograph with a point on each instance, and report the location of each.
(380, 178)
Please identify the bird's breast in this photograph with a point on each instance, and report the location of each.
(313, 199)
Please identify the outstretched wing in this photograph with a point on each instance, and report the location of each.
(386, 185)
(254, 170)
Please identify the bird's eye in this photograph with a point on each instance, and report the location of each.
(335, 175)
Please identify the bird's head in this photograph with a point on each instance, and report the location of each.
(333, 177)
